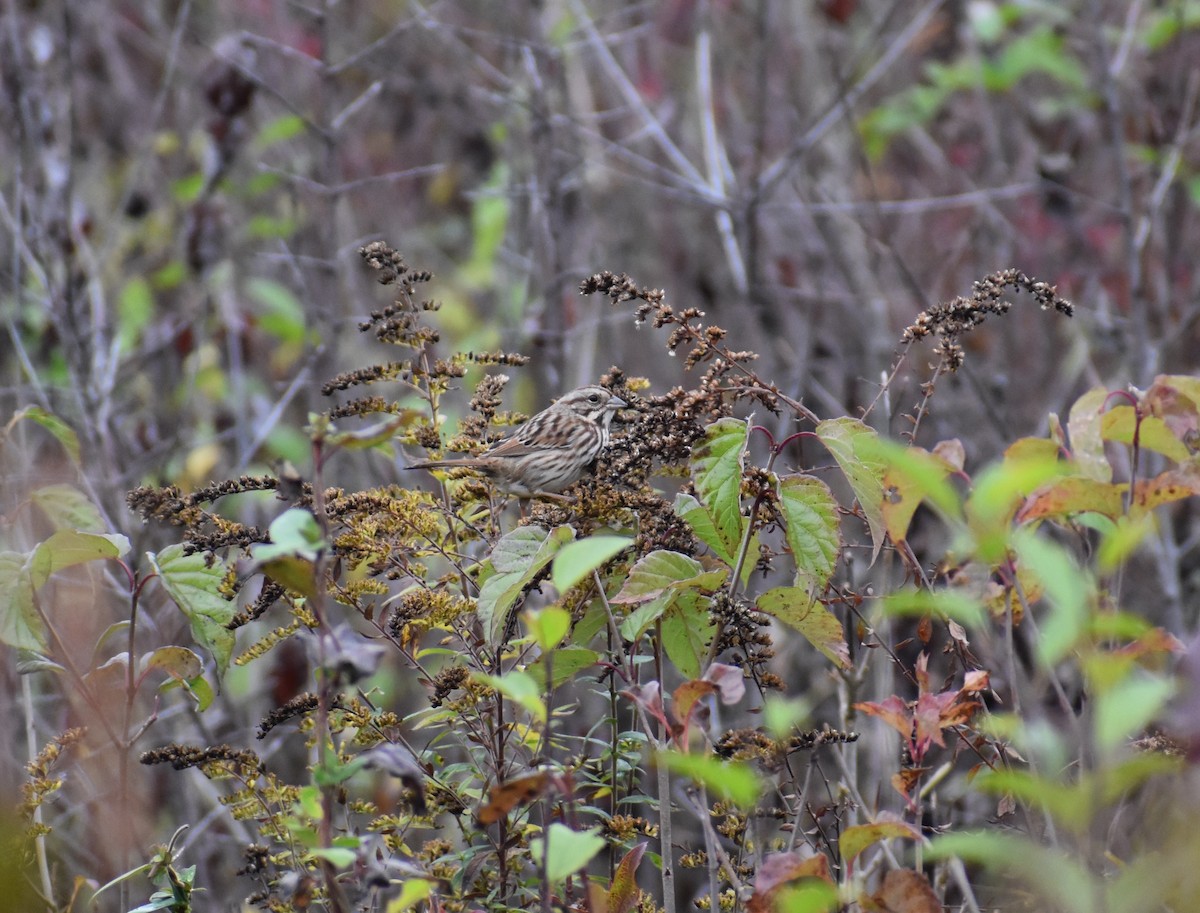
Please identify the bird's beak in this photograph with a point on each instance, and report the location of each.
(617, 403)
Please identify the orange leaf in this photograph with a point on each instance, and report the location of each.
(779, 869)
(1172, 485)
(504, 797)
(1072, 495)
(624, 891)
(906, 891)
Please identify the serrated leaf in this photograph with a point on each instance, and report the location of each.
(20, 625)
(664, 570)
(813, 531)
(844, 438)
(692, 512)
(68, 508)
(69, 547)
(717, 463)
(578, 559)
(52, 423)
(517, 558)
(687, 632)
(799, 609)
(194, 586)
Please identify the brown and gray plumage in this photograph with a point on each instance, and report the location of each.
(549, 452)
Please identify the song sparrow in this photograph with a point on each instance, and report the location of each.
(550, 451)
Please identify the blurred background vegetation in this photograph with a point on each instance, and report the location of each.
(184, 186)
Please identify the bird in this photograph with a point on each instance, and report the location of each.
(549, 452)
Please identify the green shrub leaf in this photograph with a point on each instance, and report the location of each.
(813, 532)
(717, 463)
(194, 586)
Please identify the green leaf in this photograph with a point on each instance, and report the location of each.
(813, 532)
(731, 781)
(1083, 429)
(52, 423)
(949, 603)
(335, 772)
(202, 691)
(663, 570)
(912, 475)
(1127, 707)
(692, 512)
(20, 624)
(519, 687)
(277, 130)
(1000, 489)
(1068, 586)
(806, 896)
(1061, 880)
(194, 586)
(563, 851)
(489, 224)
(339, 857)
(849, 441)
(282, 315)
(1121, 422)
(578, 559)
(637, 622)
(717, 463)
(517, 559)
(548, 626)
(799, 609)
(178, 662)
(687, 632)
(412, 893)
(68, 547)
(563, 665)
(295, 531)
(68, 508)
(290, 557)
(135, 308)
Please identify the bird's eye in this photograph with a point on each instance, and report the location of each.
(594, 398)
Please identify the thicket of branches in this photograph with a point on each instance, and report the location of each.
(824, 648)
